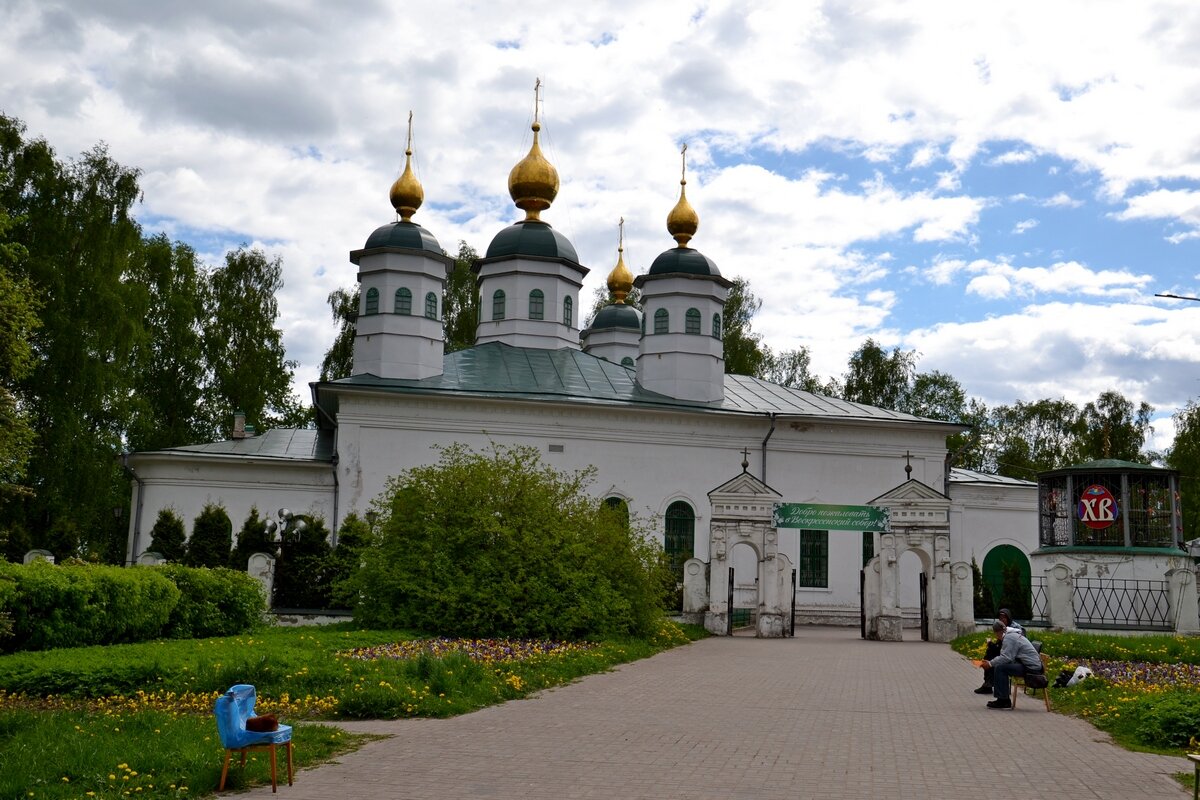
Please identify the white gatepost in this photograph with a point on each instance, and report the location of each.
(743, 514)
(1184, 611)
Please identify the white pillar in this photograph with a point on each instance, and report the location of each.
(1060, 598)
(1184, 611)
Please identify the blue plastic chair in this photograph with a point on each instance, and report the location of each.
(232, 709)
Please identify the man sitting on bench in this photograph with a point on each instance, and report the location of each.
(1017, 657)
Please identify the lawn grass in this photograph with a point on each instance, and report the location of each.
(142, 714)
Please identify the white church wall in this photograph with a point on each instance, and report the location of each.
(652, 458)
(186, 485)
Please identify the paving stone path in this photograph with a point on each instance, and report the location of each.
(825, 715)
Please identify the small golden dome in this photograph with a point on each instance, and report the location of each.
(683, 221)
(620, 280)
(406, 194)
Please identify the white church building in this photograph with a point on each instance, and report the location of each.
(642, 396)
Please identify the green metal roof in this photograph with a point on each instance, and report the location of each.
(532, 237)
(684, 260)
(407, 235)
(1106, 465)
(617, 315)
(499, 370)
(284, 444)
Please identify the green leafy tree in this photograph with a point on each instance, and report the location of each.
(168, 537)
(460, 302)
(792, 368)
(212, 538)
(243, 347)
(18, 320)
(252, 538)
(878, 378)
(338, 361)
(1113, 427)
(168, 366)
(745, 353)
(75, 222)
(1028, 438)
(497, 543)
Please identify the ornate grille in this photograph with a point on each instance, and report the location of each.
(1117, 603)
(1151, 522)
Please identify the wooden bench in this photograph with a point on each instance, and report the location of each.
(1195, 757)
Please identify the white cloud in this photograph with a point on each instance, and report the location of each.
(1061, 200)
(222, 105)
(1024, 225)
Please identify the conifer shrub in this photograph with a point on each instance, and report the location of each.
(345, 559)
(496, 543)
(212, 602)
(168, 537)
(212, 538)
(252, 538)
(302, 575)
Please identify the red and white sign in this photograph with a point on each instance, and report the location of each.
(1097, 507)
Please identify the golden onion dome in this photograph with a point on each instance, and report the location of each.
(683, 221)
(533, 182)
(620, 280)
(406, 194)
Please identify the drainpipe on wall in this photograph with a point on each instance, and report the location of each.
(334, 534)
(137, 514)
(764, 447)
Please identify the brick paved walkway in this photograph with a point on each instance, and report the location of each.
(824, 715)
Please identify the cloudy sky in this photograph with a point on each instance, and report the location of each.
(1002, 187)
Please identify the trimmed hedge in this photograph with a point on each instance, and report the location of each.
(214, 602)
(78, 604)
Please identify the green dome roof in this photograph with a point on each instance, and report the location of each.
(403, 234)
(685, 260)
(532, 237)
(617, 315)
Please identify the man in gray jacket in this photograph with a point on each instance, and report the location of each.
(1017, 657)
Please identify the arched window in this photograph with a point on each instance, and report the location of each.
(431, 305)
(372, 302)
(716, 326)
(661, 318)
(498, 304)
(627, 362)
(403, 301)
(619, 507)
(679, 540)
(691, 322)
(568, 311)
(537, 304)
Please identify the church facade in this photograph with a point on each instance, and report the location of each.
(641, 395)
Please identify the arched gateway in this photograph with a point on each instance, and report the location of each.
(741, 518)
(920, 524)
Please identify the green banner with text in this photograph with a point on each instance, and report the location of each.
(819, 517)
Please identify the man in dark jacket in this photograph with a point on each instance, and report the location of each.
(1017, 657)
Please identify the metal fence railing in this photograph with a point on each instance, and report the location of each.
(1039, 598)
(1118, 603)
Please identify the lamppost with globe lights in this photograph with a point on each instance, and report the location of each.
(283, 524)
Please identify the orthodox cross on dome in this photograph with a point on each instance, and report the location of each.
(745, 459)
(908, 465)
(406, 193)
(537, 99)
